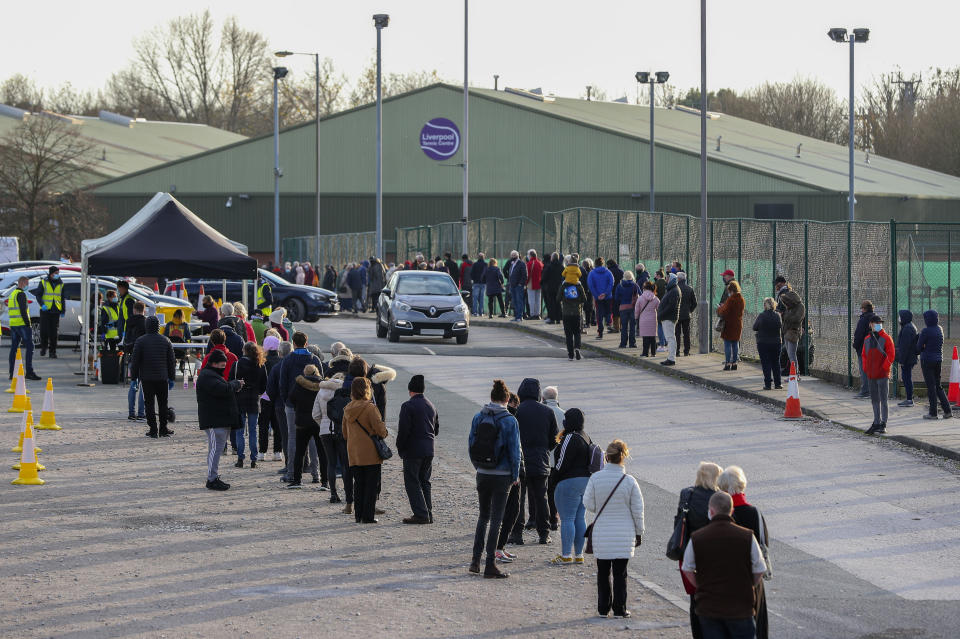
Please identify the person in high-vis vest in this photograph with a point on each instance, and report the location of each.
(125, 307)
(110, 322)
(21, 334)
(50, 294)
(264, 298)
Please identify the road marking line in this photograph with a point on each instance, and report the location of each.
(428, 350)
(679, 602)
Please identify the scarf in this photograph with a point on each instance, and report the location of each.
(740, 500)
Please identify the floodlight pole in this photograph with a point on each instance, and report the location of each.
(703, 318)
(380, 21)
(466, 130)
(276, 169)
(852, 200)
(316, 151)
(653, 206)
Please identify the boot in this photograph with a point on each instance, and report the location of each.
(348, 509)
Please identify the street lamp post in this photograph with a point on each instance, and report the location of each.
(380, 21)
(660, 77)
(704, 321)
(316, 61)
(840, 35)
(466, 132)
(278, 74)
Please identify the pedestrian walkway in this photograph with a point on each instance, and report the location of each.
(820, 399)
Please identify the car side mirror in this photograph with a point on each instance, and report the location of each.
(387, 292)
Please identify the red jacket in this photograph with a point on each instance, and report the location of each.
(534, 270)
(231, 360)
(878, 355)
(464, 267)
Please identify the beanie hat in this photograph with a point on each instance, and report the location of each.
(216, 356)
(416, 384)
(153, 324)
(573, 420)
(728, 273)
(271, 343)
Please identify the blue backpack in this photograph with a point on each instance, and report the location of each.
(570, 292)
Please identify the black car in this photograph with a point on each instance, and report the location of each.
(303, 303)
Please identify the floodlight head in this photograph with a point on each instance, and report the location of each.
(662, 76)
(381, 20)
(837, 34)
(861, 35)
(279, 73)
(643, 77)
(283, 54)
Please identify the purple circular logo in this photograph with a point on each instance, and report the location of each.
(440, 139)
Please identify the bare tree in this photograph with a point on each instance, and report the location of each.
(76, 216)
(22, 92)
(41, 158)
(365, 89)
(298, 94)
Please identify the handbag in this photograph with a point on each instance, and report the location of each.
(718, 326)
(768, 573)
(588, 534)
(681, 532)
(383, 450)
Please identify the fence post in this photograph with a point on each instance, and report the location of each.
(740, 250)
(578, 232)
(806, 294)
(850, 304)
(520, 249)
(711, 269)
(687, 256)
(661, 242)
(560, 245)
(909, 271)
(893, 284)
(773, 223)
(636, 220)
(597, 231)
(543, 235)
(617, 249)
(949, 280)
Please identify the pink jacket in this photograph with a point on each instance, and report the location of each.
(645, 311)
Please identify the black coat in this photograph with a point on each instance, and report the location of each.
(417, 427)
(860, 334)
(302, 395)
(688, 300)
(292, 366)
(254, 385)
(768, 327)
(273, 382)
(216, 400)
(699, 499)
(538, 428)
(551, 277)
(573, 456)
(669, 309)
(907, 340)
(135, 327)
(477, 272)
(153, 359)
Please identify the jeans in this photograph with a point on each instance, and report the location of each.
(216, 440)
(791, 348)
(416, 481)
(878, 397)
(713, 628)
(539, 508)
(268, 420)
(619, 599)
(770, 362)
(661, 337)
(335, 450)
(533, 297)
(135, 389)
(571, 332)
(49, 330)
(477, 293)
(628, 328)
(492, 493)
(670, 332)
(931, 377)
(250, 422)
(603, 314)
(366, 487)
(731, 351)
(518, 295)
(22, 336)
(906, 374)
(864, 382)
(683, 327)
(569, 498)
(511, 515)
(491, 303)
(159, 390)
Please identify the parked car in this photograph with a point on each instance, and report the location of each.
(303, 303)
(9, 278)
(422, 303)
(44, 264)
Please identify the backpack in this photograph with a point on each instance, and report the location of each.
(176, 331)
(483, 451)
(596, 458)
(570, 292)
(335, 407)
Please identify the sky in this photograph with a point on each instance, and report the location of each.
(561, 45)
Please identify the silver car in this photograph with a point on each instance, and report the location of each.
(422, 303)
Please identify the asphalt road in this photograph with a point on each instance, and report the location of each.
(865, 533)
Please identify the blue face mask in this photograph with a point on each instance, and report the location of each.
(55, 277)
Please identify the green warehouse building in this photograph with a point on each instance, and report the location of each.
(529, 154)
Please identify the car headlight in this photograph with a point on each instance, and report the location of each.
(318, 297)
(461, 309)
(403, 307)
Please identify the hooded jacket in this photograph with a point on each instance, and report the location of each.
(793, 312)
(134, 328)
(339, 364)
(860, 333)
(324, 394)
(645, 310)
(907, 340)
(878, 355)
(768, 327)
(478, 271)
(292, 366)
(273, 380)
(732, 313)
(930, 342)
(600, 282)
(254, 385)
(573, 456)
(493, 277)
(571, 274)
(538, 428)
(508, 441)
(379, 375)
(417, 426)
(234, 342)
(216, 400)
(669, 310)
(615, 531)
(625, 294)
(552, 275)
(153, 359)
(302, 395)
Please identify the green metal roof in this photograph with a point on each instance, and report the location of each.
(126, 145)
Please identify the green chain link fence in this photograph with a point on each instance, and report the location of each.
(495, 237)
(334, 249)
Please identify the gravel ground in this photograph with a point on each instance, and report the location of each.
(124, 541)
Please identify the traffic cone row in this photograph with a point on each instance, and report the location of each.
(29, 463)
(27, 416)
(20, 393)
(793, 410)
(17, 368)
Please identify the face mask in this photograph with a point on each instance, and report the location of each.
(877, 328)
(55, 278)
(111, 300)
(207, 304)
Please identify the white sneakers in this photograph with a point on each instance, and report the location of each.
(260, 457)
(278, 457)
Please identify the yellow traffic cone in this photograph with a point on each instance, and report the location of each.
(23, 426)
(36, 448)
(20, 396)
(28, 462)
(48, 420)
(16, 367)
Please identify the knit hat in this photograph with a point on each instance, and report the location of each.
(573, 420)
(728, 273)
(277, 316)
(153, 324)
(216, 356)
(271, 343)
(310, 369)
(416, 384)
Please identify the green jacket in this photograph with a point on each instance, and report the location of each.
(571, 306)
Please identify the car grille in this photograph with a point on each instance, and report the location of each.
(438, 311)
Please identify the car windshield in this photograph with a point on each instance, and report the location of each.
(426, 285)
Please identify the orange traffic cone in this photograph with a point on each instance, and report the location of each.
(20, 398)
(200, 296)
(953, 394)
(183, 292)
(793, 411)
(28, 465)
(156, 287)
(48, 421)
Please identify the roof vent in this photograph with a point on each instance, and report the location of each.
(692, 111)
(116, 118)
(799, 146)
(533, 95)
(61, 117)
(719, 138)
(622, 100)
(13, 112)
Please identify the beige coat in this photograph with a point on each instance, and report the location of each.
(357, 417)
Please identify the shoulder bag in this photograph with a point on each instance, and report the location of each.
(588, 534)
(681, 531)
(764, 549)
(383, 450)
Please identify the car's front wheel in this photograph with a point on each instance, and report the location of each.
(393, 335)
(462, 339)
(381, 329)
(295, 309)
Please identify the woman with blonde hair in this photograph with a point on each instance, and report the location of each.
(732, 313)
(240, 311)
(733, 481)
(694, 501)
(768, 328)
(616, 499)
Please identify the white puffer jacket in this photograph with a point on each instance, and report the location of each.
(621, 521)
(327, 388)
